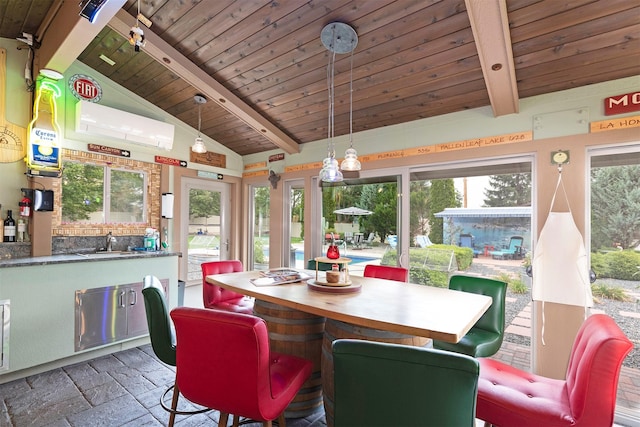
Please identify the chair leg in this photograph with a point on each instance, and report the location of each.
(224, 418)
(174, 404)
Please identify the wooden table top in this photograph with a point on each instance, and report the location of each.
(407, 308)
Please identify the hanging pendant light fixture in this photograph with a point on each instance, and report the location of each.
(351, 162)
(338, 37)
(198, 145)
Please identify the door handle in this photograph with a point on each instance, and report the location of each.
(133, 300)
(121, 299)
(226, 244)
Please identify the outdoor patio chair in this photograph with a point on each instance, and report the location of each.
(368, 244)
(358, 240)
(514, 251)
(467, 241)
(393, 241)
(423, 241)
(348, 237)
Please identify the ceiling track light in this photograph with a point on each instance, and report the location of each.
(338, 37)
(198, 145)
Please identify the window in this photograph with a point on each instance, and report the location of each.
(259, 255)
(615, 255)
(95, 194)
(123, 181)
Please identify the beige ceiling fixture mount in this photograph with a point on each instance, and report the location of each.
(338, 37)
(198, 145)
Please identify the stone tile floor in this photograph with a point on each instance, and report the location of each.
(121, 389)
(124, 389)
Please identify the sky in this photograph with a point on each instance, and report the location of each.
(475, 190)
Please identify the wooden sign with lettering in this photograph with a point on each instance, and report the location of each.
(509, 138)
(209, 158)
(276, 157)
(259, 165)
(620, 104)
(613, 124)
(169, 161)
(255, 173)
(108, 150)
(13, 138)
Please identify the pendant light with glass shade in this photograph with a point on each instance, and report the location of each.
(198, 145)
(338, 37)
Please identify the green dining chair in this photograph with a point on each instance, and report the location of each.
(486, 335)
(163, 340)
(322, 266)
(382, 384)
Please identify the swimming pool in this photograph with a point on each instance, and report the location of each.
(356, 259)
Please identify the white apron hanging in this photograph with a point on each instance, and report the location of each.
(560, 264)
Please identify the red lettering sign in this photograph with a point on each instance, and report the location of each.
(621, 104)
(85, 88)
(169, 161)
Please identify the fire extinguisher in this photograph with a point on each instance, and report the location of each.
(25, 206)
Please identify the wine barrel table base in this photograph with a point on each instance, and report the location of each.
(300, 334)
(334, 330)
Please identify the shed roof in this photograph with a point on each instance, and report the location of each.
(501, 212)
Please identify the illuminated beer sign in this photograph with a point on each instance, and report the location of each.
(85, 88)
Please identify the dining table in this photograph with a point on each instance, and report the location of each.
(375, 309)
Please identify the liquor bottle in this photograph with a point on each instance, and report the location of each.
(9, 228)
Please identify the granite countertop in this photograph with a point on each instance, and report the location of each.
(80, 257)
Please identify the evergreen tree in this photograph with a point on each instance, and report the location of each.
(443, 195)
(385, 211)
(615, 206)
(508, 190)
(419, 208)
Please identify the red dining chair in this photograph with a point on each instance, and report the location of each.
(508, 396)
(223, 361)
(220, 298)
(399, 274)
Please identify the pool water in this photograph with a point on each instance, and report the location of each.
(356, 259)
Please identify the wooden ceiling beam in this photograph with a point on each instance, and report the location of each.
(203, 83)
(65, 34)
(490, 26)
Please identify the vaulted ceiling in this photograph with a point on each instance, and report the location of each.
(263, 66)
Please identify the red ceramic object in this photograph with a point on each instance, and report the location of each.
(333, 252)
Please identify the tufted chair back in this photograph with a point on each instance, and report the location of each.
(387, 272)
(508, 396)
(235, 372)
(219, 298)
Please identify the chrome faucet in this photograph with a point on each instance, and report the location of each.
(110, 241)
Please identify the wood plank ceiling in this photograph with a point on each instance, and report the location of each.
(414, 59)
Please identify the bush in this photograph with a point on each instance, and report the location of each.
(258, 253)
(422, 276)
(621, 265)
(610, 292)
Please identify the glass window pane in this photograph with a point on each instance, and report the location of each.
(296, 202)
(367, 229)
(126, 197)
(260, 238)
(82, 193)
(615, 255)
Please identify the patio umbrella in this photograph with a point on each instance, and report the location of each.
(352, 211)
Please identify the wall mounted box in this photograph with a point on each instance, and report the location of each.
(96, 119)
(43, 200)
